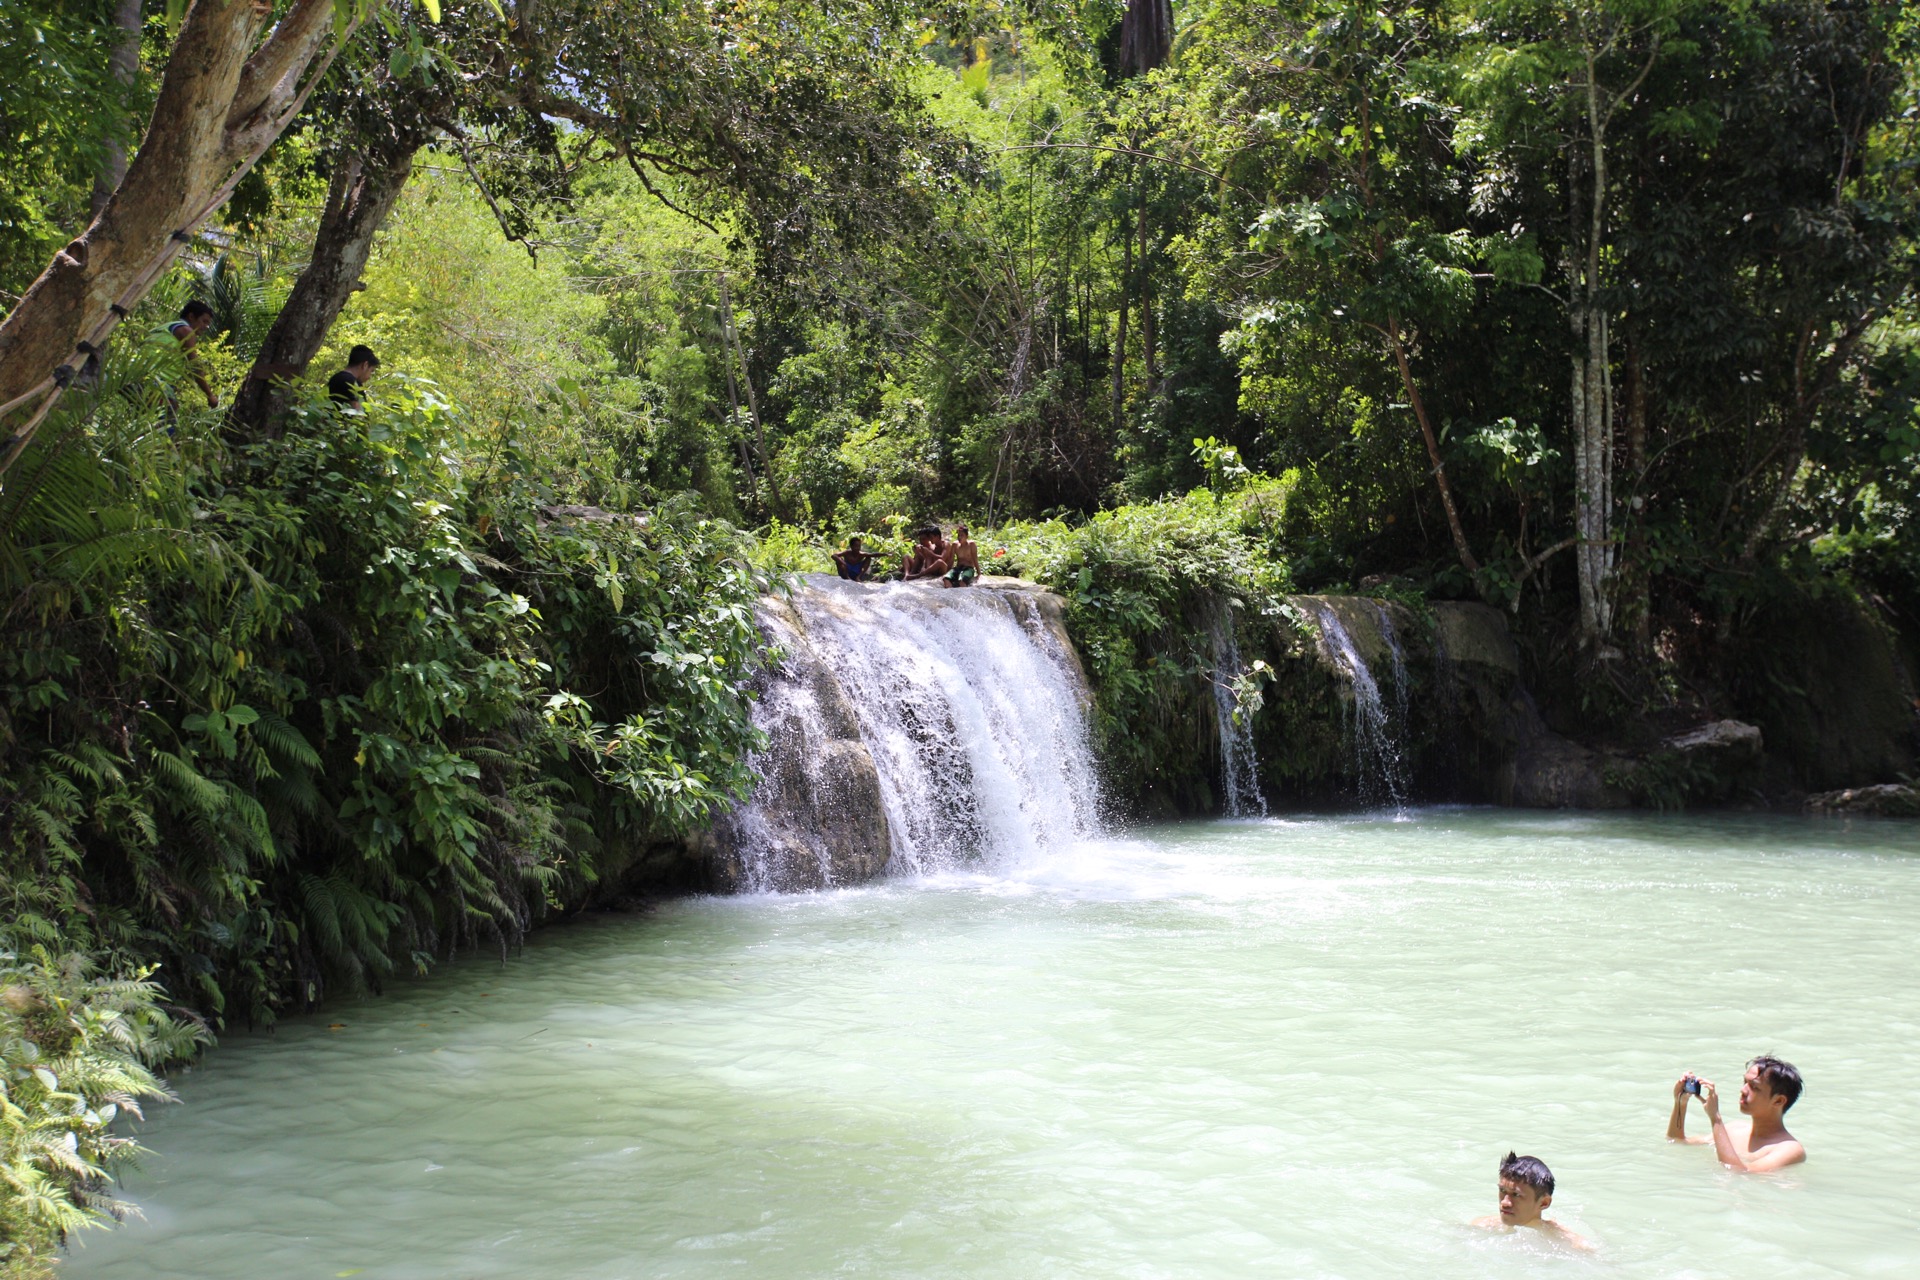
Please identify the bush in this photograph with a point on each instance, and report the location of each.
(1144, 587)
(296, 720)
(76, 1052)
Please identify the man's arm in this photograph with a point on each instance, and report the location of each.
(1677, 1122)
(1777, 1156)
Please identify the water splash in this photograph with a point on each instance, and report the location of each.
(1381, 766)
(1239, 761)
(962, 713)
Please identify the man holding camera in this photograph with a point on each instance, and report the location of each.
(1770, 1087)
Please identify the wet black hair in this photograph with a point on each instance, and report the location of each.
(854, 543)
(362, 355)
(195, 309)
(1528, 1171)
(1781, 1077)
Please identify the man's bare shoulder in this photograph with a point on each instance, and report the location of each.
(1571, 1239)
(1777, 1154)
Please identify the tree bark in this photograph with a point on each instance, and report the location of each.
(1397, 345)
(1592, 386)
(361, 194)
(1636, 585)
(222, 103)
(122, 64)
(1146, 35)
(1118, 372)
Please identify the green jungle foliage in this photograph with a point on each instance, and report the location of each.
(1151, 589)
(76, 1052)
(285, 711)
(314, 712)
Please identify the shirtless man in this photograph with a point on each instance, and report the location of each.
(1770, 1087)
(965, 560)
(931, 556)
(854, 564)
(1526, 1188)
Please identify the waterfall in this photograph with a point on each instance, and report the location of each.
(1239, 762)
(1399, 660)
(1381, 767)
(912, 729)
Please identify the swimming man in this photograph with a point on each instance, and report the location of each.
(1526, 1189)
(1770, 1087)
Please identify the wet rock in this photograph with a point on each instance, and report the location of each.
(818, 780)
(1552, 772)
(1887, 800)
(1728, 743)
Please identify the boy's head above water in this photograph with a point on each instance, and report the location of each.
(1526, 1188)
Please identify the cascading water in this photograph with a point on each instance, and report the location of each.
(1382, 768)
(1399, 660)
(915, 729)
(1239, 762)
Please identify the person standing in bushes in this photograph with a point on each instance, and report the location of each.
(194, 319)
(343, 388)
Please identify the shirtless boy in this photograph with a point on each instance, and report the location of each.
(1526, 1189)
(1770, 1087)
(931, 556)
(964, 559)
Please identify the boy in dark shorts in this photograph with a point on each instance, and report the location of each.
(964, 556)
(853, 564)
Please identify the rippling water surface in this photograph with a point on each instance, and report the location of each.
(1276, 1049)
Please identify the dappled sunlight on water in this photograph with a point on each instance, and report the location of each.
(1261, 1048)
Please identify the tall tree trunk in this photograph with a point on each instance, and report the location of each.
(1396, 344)
(753, 402)
(1636, 583)
(1592, 385)
(222, 103)
(1146, 35)
(122, 64)
(1146, 303)
(361, 194)
(1119, 364)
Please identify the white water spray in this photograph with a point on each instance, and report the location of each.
(1239, 761)
(970, 705)
(1382, 768)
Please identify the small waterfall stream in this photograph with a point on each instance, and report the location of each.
(1381, 765)
(913, 729)
(1239, 762)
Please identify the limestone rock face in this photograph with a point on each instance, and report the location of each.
(1887, 800)
(818, 779)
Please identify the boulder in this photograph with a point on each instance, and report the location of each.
(1727, 743)
(1886, 800)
